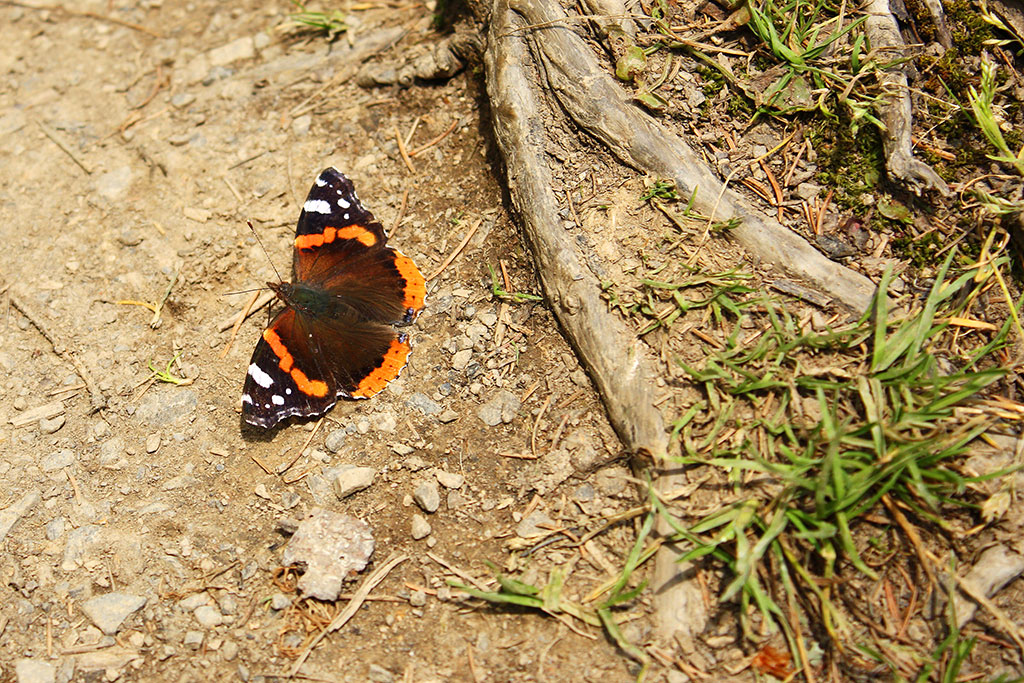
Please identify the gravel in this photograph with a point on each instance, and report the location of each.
(109, 611)
(427, 496)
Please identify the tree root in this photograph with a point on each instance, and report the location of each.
(597, 104)
(883, 32)
(607, 348)
(443, 60)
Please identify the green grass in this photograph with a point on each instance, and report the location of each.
(877, 420)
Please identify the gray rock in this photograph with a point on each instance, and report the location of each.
(208, 616)
(193, 639)
(417, 598)
(335, 441)
(332, 546)
(423, 403)
(11, 514)
(420, 527)
(503, 407)
(532, 525)
(236, 50)
(51, 425)
(228, 604)
(449, 480)
(111, 451)
(34, 671)
(461, 359)
(55, 528)
(114, 183)
(80, 541)
(427, 496)
(300, 125)
(182, 100)
(379, 674)
(193, 602)
(351, 479)
(166, 405)
(110, 610)
(279, 601)
(386, 421)
(229, 651)
(58, 460)
(455, 500)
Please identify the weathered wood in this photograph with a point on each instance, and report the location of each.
(608, 349)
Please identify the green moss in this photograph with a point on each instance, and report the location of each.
(920, 251)
(852, 164)
(712, 81)
(967, 26)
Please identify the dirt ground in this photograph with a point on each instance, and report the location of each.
(136, 140)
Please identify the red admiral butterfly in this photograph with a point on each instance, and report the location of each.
(334, 338)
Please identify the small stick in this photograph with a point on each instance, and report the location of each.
(238, 323)
(155, 320)
(234, 190)
(519, 456)
(412, 131)
(458, 572)
(420, 150)
(316, 428)
(350, 609)
(401, 211)
(458, 249)
(64, 148)
(536, 423)
(403, 151)
(238, 318)
(258, 462)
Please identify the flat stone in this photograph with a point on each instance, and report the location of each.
(236, 50)
(332, 547)
(420, 527)
(423, 403)
(533, 525)
(461, 359)
(114, 183)
(447, 417)
(193, 639)
(193, 602)
(279, 601)
(166, 405)
(34, 671)
(351, 479)
(449, 480)
(152, 443)
(503, 407)
(229, 651)
(208, 616)
(427, 496)
(335, 441)
(58, 460)
(51, 425)
(110, 610)
(81, 541)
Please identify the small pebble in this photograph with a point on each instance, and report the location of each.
(417, 598)
(420, 527)
(351, 479)
(208, 616)
(229, 650)
(280, 601)
(152, 443)
(193, 639)
(427, 496)
(51, 425)
(335, 441)
(20, 403)
(449, 480)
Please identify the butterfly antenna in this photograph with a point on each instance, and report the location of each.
(265, 252)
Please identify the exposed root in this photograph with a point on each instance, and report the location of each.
(443, 60)
(883, 33)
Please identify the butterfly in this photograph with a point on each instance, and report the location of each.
(335, 337)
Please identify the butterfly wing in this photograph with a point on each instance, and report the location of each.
(276, 386)
(340, 247)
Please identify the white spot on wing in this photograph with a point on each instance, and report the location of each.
(277, 400)
(320, 182)
(260, 377)
(246, 398)
(288, 391)
(346, 216)
(344, 203)
(316, 206)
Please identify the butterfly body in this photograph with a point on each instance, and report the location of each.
(334, 338)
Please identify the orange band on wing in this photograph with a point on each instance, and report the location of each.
(352, 232)
(390, 366)
(279, 349)
(307, 386)
(415, 286)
